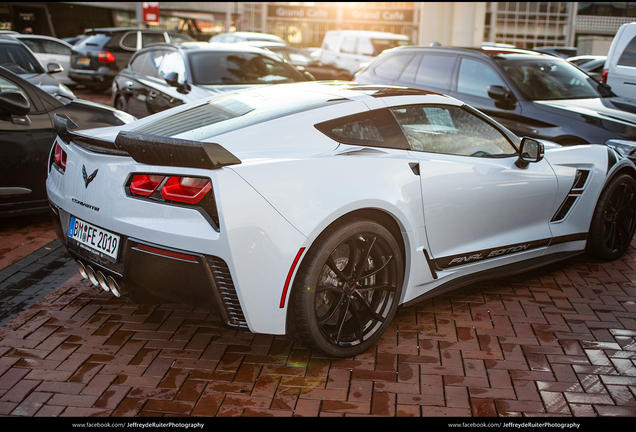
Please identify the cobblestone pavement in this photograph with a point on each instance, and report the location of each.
(555, 342)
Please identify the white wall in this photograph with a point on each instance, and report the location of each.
(452, 23)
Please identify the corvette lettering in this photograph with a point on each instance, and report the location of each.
(88, 206)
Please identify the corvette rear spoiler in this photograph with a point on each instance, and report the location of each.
(151, 149)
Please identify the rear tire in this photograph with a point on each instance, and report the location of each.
(347, 289)
(120, 103)
(614, 219)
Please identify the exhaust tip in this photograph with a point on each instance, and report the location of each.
(114, 287)
(102, 281)
(82, 269)
(92, 276)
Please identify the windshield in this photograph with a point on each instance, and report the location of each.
(19, 60)
(552, 79)
(218, 68)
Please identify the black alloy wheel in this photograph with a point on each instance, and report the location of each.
(347, 289)
(614, 219)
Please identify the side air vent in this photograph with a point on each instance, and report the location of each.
(227, 293)
(580, 182)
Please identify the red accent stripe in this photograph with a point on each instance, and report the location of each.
(166, 252)
(289, 276)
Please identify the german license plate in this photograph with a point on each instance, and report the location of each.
(85, 61)
(94, 238)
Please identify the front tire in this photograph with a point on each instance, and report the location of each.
(614, 220)
(347, 289)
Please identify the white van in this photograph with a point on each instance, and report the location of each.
(347, 49)
(620, 67)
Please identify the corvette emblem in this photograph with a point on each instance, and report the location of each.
(88, 178)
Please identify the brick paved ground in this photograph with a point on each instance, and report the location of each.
(555, 342)
(558, 342)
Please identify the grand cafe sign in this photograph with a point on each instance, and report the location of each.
(349, 14)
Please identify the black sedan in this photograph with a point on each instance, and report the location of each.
(163, 76)
(532, 94)
(26, 126)
(303, 61)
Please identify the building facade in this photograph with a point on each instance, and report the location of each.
(587, 25)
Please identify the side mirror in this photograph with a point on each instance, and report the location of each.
(499, 93)
(15, 103)
(53, 68)
(173, 81)
(530, 151)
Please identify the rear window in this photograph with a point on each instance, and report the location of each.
(217, 68)
(95, 40)
(232, 112)
(628, 57)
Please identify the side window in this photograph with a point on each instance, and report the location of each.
(374, 129)
(628, 57)
(475, 77)
(32, 44)
(151, 38)
(298, 57)
(436, 71)
(450, 130)
(177, 38)
(137, 62)
(173, 62)
(151, 66)
(391, 68)
(349, 45)
(52, 47)
(408, 76)
(365, 47)
(130, 41)
(330, 42)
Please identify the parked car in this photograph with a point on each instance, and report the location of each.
(619, 71)
(315, 209)
(558, 51)
(17, 58)
(594, 68)
(26, 125)
(348, 49)
(98, 58)
(246, 37)
(583, 59)
(167, 75)
(532, 94)
(49, 49)
(301, 59)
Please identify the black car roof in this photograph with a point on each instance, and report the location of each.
(492, 52)
(113, 30)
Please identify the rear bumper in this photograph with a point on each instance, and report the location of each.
(152, 273)
(101, 77)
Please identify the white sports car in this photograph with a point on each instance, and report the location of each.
(315, 209)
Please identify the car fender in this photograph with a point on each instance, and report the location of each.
(314, 193)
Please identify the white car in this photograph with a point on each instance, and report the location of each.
(314, 210)
(48, 49)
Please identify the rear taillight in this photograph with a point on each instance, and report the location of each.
(59, 158)
(145, 184)
(176, 190)
(105, 57)
(188, 190)
(604, 76)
